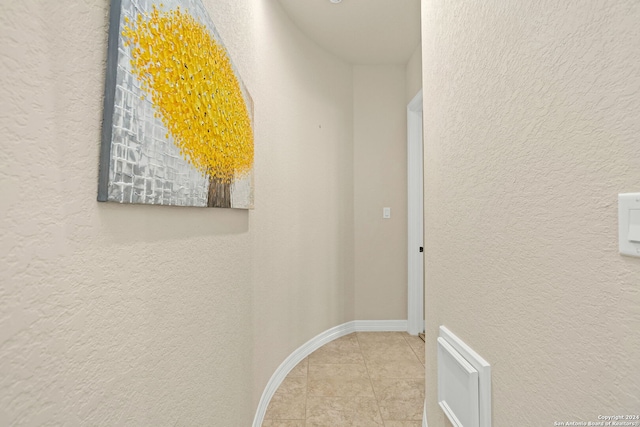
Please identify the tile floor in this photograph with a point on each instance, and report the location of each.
(364, 379)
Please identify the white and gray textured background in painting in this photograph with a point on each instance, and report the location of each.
(146, 166)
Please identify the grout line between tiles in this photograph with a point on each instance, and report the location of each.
(414, 351)
(375, 396)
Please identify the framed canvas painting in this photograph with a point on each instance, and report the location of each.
(177, 125)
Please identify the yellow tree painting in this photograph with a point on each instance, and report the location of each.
(181, 125)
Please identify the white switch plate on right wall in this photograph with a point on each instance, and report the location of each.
(629, 224)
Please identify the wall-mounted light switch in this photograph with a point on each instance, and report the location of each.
(634, 226)
(386, 213)
(629, 224)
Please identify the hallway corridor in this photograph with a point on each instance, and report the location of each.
(363, 379)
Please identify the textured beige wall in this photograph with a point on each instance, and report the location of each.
(146, 315)
(303, 222)
(380, 179)
(414, 74)
(111, 314)
(531, 131)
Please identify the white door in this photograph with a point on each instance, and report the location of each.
(415, 321)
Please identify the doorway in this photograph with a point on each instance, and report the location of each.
(415, 208)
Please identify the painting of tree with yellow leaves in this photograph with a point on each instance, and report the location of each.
(180, 118)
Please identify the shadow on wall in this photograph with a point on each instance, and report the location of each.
(131, 223)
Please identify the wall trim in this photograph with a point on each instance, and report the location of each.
(415, 217)
(483, 369)
(424, 414)
(312, 345)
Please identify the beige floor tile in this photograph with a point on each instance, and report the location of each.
(283, 423)
(380, 337)
(397, 369)
(417, 345)
(414, 341)
(286, 407)
(400, 399)
(348, 341)
(293, 385)
(372, 345)
(339, 380)
(386, 338)
(390, 423)
(389, 353)
(300, 370)
(401, 409)
(341, 411)
(393, 388)
(324, 356)
(342, 350)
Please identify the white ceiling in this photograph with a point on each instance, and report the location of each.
(360, 31)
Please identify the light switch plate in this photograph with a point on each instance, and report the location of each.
(386, 213)
(629, 224)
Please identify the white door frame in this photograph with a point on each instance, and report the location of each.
(415, 208)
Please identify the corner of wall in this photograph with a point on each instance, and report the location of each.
(414, 73)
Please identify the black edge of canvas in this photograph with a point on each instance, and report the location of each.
(109, 100)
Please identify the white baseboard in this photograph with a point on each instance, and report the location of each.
(424, 414)
(312, 345)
